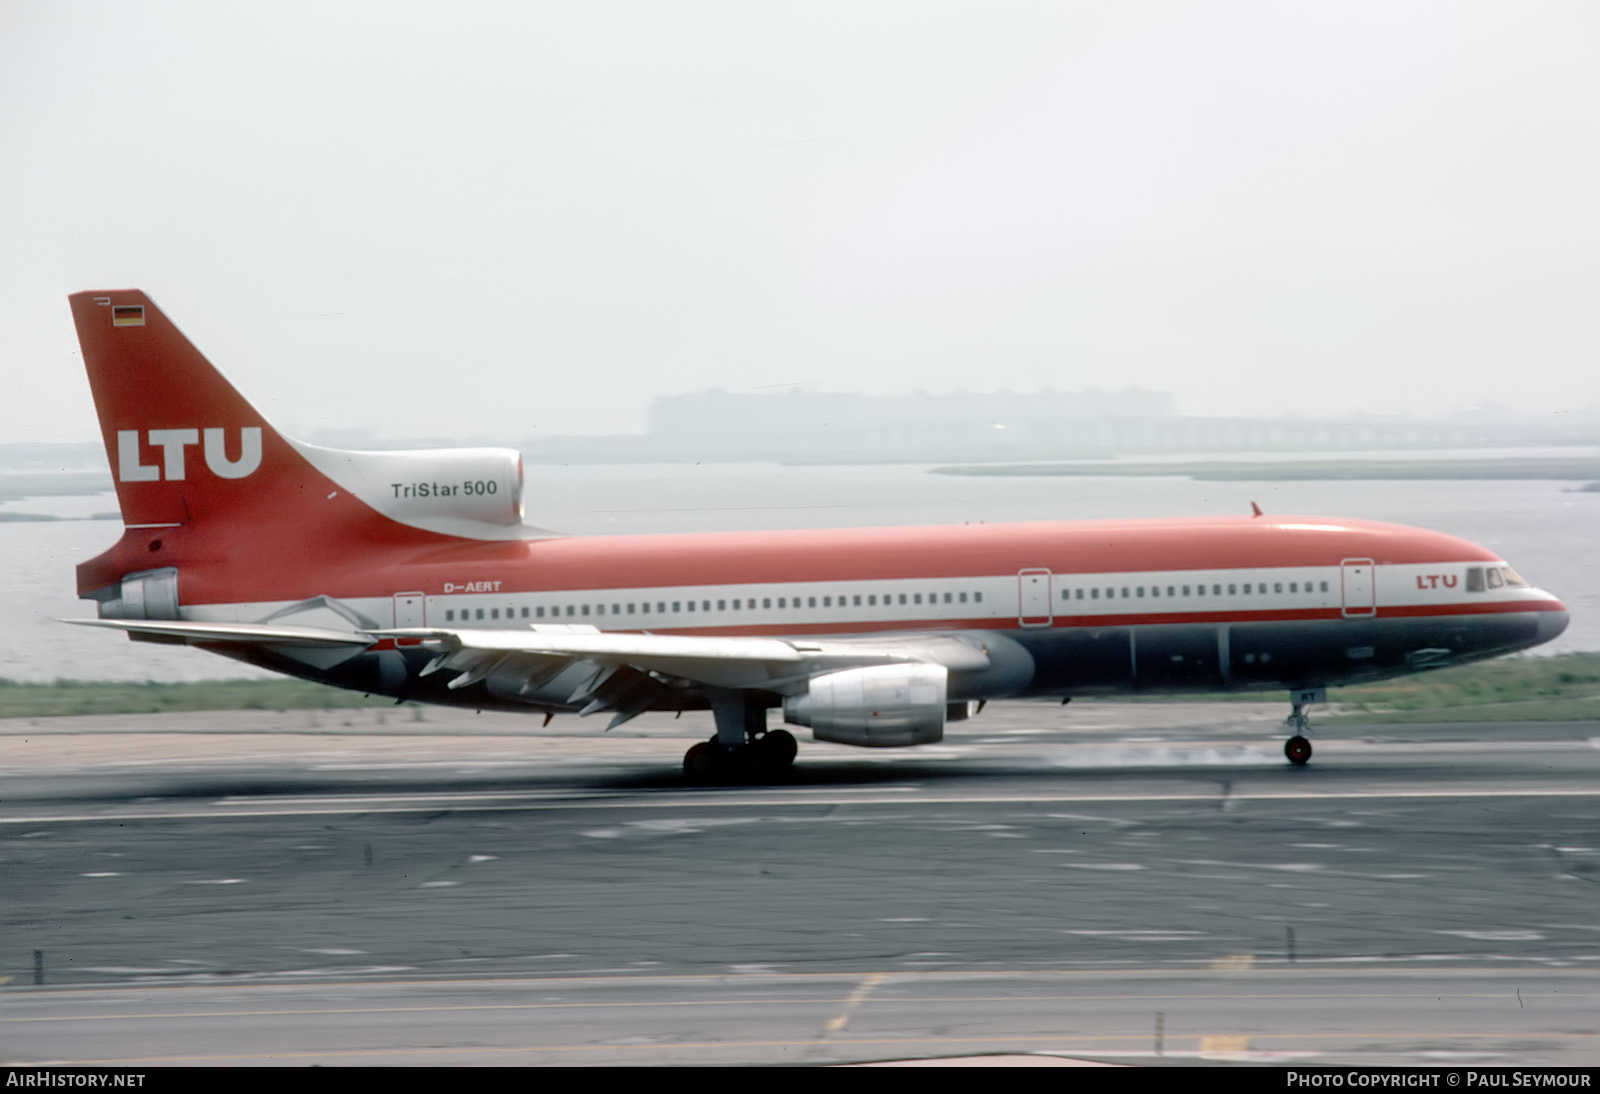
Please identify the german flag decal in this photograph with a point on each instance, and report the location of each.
(127, 315)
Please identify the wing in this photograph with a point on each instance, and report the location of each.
(627, 673)
(594, 671)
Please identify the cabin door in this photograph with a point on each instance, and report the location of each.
(408, 610)
(1033, 598)
(1357, 575)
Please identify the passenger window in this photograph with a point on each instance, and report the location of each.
(963, 598)
(902, 598)
(856, 600)
(917, 597)
(1216, 590)
(1186, 590)
(1231, 590)
(1124, 592)
(872, 601)
(722, 605)
(1078, 597)
(677, 605)
(1199, 590)
(646, 607)
(1277, 586)
(1140, 591)
(977, 598)
(946, 598)
(449, 615)
(1324, 586)
(480, 613)
(1094, 594)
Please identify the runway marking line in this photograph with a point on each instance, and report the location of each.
(854, 1000)
(669, 1046)
(696, 802)
(836, 1024)
(1296, 972)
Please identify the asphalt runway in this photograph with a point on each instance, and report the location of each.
(1115, 882)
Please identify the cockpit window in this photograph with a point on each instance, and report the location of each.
(1495, 580)
(1512, 577)
(1474, 579)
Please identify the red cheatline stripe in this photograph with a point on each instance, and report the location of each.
(861, 627)
(1492, 607)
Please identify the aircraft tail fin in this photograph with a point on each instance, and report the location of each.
(206, 485)
(182, 442)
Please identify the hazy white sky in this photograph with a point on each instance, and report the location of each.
(504, 220)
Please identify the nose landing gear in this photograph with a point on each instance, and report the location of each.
(1297, 749)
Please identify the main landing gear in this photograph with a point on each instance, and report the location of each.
(744, 749)
(1297, 749)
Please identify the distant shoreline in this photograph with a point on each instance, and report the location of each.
(1581, 469)
(24, 518)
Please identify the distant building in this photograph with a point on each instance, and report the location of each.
(811, 426)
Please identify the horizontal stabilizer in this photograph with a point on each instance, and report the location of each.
(270, 634)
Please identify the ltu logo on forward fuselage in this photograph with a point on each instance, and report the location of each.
(172, 442)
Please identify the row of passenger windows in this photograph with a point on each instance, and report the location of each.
(1248, 588)
(574, 611)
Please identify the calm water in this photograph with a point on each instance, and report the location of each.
(1544, 529)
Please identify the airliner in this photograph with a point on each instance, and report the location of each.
(413, 575)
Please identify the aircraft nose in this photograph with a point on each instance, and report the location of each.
(1552, 623)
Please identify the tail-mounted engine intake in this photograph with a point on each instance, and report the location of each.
(883, 706)
(148, 594)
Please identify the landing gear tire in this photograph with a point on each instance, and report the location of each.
(766, 757)
(704, 763)
(1298, 750)
(775, 751)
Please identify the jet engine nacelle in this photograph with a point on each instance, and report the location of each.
(148, 594)
(881, 706)
(481, 485)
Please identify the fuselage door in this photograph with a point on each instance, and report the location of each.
(1357, 582)
(408, 610)
(1033, 598)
